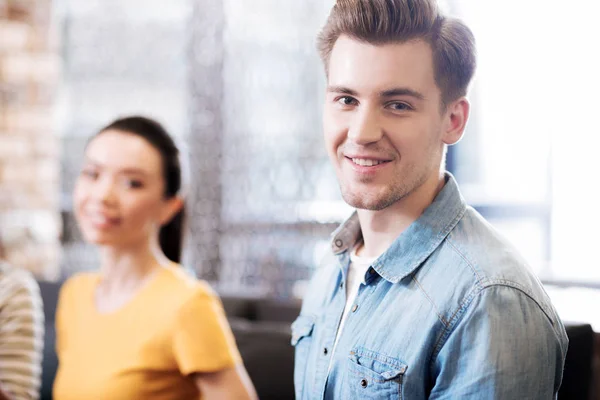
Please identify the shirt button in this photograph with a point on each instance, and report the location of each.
(325, 351)
(364, 383)
(355, 308)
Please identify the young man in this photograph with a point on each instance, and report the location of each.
(421, 297)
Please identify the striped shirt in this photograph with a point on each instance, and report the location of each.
(21, 333)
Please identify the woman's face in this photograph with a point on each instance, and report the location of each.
(119, 195)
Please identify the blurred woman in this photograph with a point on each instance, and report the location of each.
(140, 328)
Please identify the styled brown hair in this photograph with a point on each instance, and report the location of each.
(397, 21)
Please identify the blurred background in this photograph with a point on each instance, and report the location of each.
(240, 85)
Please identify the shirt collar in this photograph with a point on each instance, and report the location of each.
(417, 242)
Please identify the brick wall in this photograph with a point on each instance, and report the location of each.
(29, 146)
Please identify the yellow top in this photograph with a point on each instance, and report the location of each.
(173, 327)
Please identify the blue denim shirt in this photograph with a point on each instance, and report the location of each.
(449, 311)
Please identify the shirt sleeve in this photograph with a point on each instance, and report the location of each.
(202, 340)
(21, 336)
(503, 347)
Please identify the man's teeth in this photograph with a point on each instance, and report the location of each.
(366, 163)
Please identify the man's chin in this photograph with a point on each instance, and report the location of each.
(371, 203)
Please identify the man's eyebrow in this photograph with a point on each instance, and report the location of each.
(402, 92)
(386, 93)
(341, 89)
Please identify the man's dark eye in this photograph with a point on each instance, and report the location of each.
(347, 101)
(400, 106)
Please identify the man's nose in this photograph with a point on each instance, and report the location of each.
(365, 127)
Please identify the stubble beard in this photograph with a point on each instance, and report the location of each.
(392, 193)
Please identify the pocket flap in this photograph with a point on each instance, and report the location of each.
(385, 367)
(393, 373)
(302, 326)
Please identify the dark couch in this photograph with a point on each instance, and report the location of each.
(262, 332)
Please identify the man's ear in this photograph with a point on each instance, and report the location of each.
(171, 207)
(455, 120)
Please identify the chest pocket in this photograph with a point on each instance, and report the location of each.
(302, 330)
(370, 375)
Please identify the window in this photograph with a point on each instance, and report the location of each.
(527, 159)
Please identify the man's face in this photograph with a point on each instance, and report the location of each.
(383, 122)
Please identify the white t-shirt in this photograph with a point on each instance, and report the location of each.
(356, 276)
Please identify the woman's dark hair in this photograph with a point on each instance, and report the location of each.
(171, 234)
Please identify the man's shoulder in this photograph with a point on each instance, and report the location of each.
(488, 254)
(479, 257)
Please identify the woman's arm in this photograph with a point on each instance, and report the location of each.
(232, 383)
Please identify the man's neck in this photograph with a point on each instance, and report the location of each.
(381, 228)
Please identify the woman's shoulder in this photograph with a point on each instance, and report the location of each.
(177, 278)
(80, 281)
